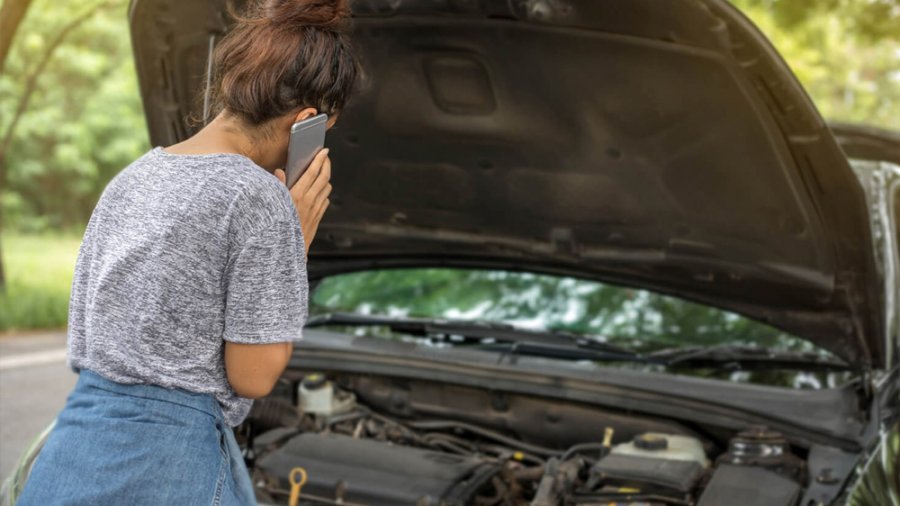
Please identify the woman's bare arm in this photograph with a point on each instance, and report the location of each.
(253, 369)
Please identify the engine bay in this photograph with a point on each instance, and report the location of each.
(364, 440)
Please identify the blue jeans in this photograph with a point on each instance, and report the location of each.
(117, 444)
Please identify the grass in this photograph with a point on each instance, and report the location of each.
(38, 279)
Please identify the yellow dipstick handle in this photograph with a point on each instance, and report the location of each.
(298, 479)
(607, 437)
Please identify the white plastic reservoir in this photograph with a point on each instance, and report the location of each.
(664, 446)
(319, 396)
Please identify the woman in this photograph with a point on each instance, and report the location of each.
(191, 281)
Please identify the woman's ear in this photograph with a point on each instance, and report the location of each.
(303, 114)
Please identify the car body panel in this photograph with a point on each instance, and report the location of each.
(875, 154)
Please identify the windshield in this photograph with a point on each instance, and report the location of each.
(637, 319)
(632, 317)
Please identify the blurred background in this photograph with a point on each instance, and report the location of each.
(71, 118)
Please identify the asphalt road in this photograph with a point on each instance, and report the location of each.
(34, 384)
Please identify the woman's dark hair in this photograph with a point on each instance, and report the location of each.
(283, 55)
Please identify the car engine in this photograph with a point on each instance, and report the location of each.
(355, 442)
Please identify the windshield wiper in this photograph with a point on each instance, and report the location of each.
(753, 357)
(525, 341)
(511, 340)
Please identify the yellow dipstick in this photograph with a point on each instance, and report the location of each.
(607, 437)
(298, 479)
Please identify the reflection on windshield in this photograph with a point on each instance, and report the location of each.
(638, 319)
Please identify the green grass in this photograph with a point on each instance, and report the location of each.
(38, 279)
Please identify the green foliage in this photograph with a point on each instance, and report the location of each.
(84, 122)
(39, 276)
(846, 53)
(632, 317)
(880, 482)
(869, 20)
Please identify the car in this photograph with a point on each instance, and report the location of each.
(578, 253)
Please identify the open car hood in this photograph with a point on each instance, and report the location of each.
(658, 144)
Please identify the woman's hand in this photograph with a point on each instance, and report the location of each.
(310, 194)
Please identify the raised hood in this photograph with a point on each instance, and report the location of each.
(655, 143)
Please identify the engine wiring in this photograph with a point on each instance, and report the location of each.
(511, 472)
(521, 465)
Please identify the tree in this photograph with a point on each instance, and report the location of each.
(82, 82)
(845, 53)
(873, 21)
(31, 82)
(11, 14)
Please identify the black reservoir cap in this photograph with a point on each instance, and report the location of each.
(651, 442)
(314, 381)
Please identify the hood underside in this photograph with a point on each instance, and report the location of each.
(659, 144)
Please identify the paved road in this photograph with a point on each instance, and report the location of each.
(34, 384)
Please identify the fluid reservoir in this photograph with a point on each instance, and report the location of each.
(319, 396)
(671, 462)
(664, 446)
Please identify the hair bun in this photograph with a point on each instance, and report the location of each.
(328, 14)
(284, 55)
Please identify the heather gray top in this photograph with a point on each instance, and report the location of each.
(183, 253)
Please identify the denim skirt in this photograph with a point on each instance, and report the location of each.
(116, 444)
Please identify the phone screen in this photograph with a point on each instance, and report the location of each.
(307, 139)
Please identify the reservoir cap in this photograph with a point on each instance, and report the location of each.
(651, 442)
(314, 381)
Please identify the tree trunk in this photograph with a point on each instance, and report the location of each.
(11, 14)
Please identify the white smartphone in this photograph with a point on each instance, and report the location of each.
(307, 139)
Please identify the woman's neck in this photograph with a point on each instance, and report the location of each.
(225, 134)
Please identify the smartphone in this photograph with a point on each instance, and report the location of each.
(307, 138)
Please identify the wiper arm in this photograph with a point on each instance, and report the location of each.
(415, 326)
(512, 340)
(754, 357)
(600, 352)
(479, 330)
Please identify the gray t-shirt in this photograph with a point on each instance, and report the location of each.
(183, 253)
